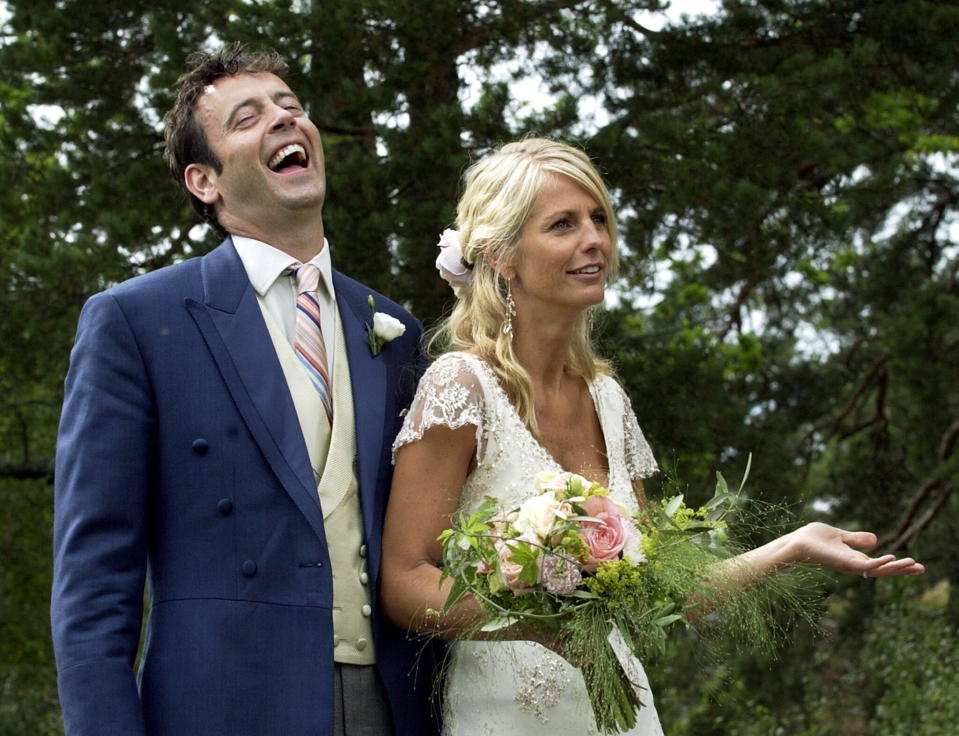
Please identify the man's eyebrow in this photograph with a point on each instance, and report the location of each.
(285, 94)
(249, 102)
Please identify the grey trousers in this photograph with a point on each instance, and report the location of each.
(361, 707)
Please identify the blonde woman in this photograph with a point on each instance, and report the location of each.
(521, 392)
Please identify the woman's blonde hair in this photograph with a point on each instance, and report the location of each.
(500, 191)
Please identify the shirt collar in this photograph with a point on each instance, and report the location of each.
(264, 263)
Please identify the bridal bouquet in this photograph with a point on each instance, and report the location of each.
(576, 564)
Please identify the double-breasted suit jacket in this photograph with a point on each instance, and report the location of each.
(181, 460)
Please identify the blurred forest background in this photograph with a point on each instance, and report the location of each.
(786, 174)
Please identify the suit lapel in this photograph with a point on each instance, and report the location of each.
(232, 325)
(369, 377)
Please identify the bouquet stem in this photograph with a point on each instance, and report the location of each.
(610, 691)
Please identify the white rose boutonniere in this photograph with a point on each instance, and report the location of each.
(383, 329)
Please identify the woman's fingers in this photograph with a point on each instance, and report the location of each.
(839, 550)
(904, 566)
(858, 539)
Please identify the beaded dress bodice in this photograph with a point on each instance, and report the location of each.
(508, 686)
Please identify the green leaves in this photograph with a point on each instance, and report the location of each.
(672, 506)
(784, 175)
(526, 556)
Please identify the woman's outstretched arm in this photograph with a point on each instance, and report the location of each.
(816, 544)
(825, 546)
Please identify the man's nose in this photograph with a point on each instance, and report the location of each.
(282, 118)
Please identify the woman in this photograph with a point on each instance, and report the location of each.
(522, 393)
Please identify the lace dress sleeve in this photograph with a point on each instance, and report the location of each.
(639, 456)
(449, 395)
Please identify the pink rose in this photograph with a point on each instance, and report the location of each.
(452, 266)
(607, 537)
(510, 571)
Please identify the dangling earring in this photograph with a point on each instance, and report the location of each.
(510, 309)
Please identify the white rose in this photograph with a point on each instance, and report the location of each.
(561, 483)
(633, 548)
(547, 480)
(386, 327)
(537, 515)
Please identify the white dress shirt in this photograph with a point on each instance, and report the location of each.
(265, 267)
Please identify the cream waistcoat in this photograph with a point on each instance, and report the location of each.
(332, 455)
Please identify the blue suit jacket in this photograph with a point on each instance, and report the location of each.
(180, 458)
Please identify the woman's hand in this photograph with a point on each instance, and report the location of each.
(835, 549)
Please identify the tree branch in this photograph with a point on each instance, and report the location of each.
(37, 470)
(734, 313)
(948, 443)
(882, 383)
(903, 539)
(618, 14)
(503, 26)
(362, 132)
(875, 374)
(906, 530)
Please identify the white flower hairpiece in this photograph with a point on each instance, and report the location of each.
(453, 268)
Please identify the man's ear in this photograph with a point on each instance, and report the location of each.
(201, 181)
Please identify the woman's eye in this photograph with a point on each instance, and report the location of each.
(600, 219)
(560, 225)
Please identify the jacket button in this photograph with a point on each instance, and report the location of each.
(200, 446)
(249, 568)
(224, 506)
(366, 610)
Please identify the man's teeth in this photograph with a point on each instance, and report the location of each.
(294, 149)
(587, 269)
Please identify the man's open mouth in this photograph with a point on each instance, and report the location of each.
(288, 157)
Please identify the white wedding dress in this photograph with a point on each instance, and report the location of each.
(520, 688)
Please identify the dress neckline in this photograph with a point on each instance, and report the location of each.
(591, 387)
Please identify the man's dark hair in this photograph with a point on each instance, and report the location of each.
(186, 141)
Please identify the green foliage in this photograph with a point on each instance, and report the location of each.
(893, 672)
(912, 653)
(28, 697)
(785, 171)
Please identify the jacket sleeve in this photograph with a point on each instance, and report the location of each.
(104, 467)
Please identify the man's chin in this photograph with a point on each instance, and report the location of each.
(300, 198)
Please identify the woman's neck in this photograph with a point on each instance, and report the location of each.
(543, 349)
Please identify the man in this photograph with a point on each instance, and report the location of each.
(226, 431)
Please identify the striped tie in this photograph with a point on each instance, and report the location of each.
(310, 347)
